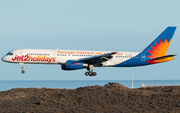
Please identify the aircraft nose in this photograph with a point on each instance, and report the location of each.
(3, 58)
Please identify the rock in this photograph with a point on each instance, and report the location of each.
(113, 97)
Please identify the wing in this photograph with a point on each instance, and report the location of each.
(97, 60)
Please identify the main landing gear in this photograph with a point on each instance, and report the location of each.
(22, 67)
(90, 71)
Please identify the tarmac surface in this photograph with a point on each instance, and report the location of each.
(111, 98)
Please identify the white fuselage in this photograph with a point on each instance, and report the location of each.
(47, 56)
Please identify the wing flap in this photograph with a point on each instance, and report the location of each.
(97, 60)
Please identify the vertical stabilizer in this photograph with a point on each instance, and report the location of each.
(160, 45)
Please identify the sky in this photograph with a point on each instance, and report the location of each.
(104, 25)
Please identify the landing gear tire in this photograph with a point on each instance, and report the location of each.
(87, 73)
(90, 74)
(22, 67)
(94, 74)
(22, 71)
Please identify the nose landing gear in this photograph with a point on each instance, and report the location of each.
(90, 71)
(22, 67)
(22, 71)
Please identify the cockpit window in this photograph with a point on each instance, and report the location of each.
(9, 53)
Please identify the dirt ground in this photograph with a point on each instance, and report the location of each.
(111, 98)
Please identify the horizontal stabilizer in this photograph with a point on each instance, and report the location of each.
(163, 57)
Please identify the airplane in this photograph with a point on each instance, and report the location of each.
(79, 59)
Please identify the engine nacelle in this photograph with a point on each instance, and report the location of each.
(73, 65)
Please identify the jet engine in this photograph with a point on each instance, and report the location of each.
(73, 65)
